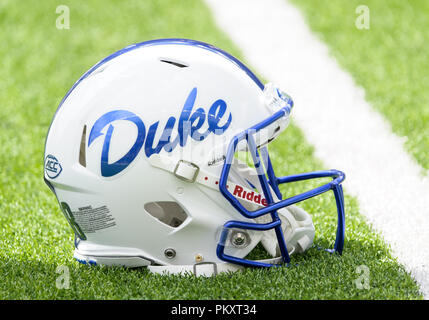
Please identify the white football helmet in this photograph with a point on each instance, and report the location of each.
(144, 155)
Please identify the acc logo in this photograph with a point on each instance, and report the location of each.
(189, 124)
(52, 166)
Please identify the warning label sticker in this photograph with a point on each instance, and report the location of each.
(92, 219)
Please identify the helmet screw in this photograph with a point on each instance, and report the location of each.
(240, 239)
(199, 258)
(170, 253)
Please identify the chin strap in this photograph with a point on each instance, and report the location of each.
(190, 172)
(206, 269)
(298, 226)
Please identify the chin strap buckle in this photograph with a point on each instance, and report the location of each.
(215, 273)
(186, 171)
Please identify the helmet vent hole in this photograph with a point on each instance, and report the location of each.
(82, 150)
(168, 212)
(174, 62)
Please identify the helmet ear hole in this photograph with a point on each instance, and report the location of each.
(168, 212)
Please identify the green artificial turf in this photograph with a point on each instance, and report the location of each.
(390, 60)
(39, 64)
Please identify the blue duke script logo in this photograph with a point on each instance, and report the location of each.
(189, 125)
(52, 166)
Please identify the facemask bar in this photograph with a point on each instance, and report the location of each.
(274, 182)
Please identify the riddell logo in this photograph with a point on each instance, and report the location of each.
(250, 196)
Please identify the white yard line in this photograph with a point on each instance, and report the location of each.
(332, 112)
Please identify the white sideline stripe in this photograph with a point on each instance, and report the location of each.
(332, 112)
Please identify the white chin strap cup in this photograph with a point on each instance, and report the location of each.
(298, 231)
